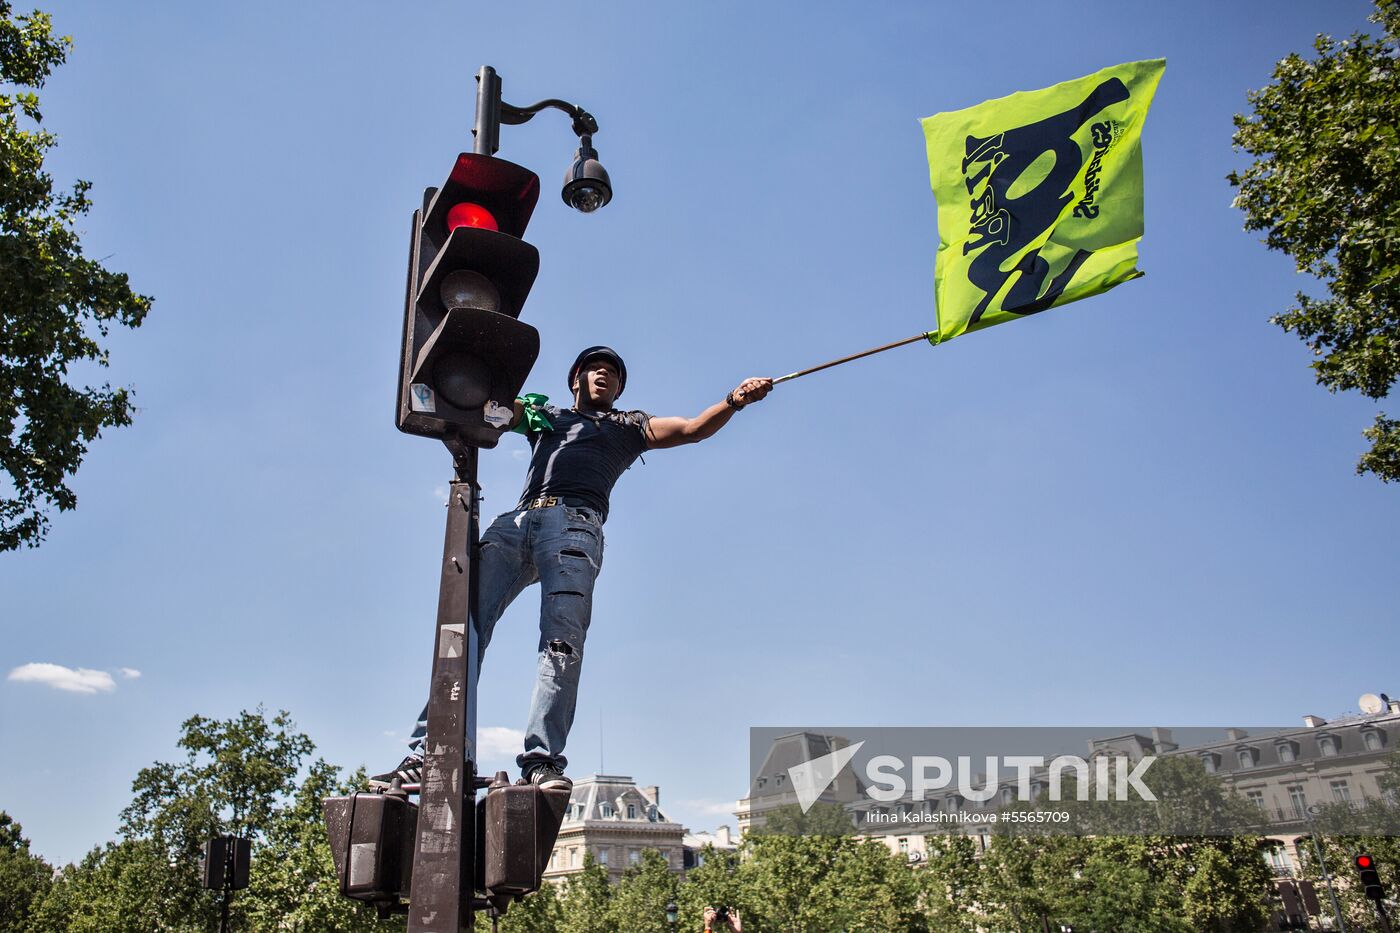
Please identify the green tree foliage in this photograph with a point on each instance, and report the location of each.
(24, 878)
(1147, 884)
(239, 777)
(586, 899)
(822, 819)
(1325, 187)
(715, 882)
(826, 884)
(541, 912)
(952, 884)
(54, 302)
(121, 887)
(639, 901)
(1348, 829)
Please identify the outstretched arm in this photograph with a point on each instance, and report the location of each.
(673, 432)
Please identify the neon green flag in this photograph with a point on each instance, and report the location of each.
(1039, 196)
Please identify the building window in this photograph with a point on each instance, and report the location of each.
(1255, 797)
(631, 811)
(573, 857)
(1007, 796)
(652, 813)
(954, 803)
(1287, 751)
(1298, 799)
(1211, 762)
(904, 845)
(603, 856)
(1278, 861)
(634, 856)
(782, 778)
(1328, 746)
(606, 810)
(1341, 792)
(1247, 757)
(1374, 740)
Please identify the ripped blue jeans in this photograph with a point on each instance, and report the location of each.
(561, 548)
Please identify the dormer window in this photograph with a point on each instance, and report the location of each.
(1247, 756)
(631, 811)
(605, 811)
(1327, 745)
(1008, 796)
(652, 813)
(1212, 762)
(1373, 739)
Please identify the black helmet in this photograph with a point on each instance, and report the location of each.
(606, 353)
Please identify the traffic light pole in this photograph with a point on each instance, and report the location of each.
(444, 850)
(1326, 875)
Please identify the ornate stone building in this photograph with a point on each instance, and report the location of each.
(615, 820)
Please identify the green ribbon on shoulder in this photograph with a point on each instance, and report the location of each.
(534, 420)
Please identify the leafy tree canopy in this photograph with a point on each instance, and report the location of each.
(1325, 188)
(24, 878)
(54, 302)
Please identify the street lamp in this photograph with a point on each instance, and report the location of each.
(672, 914)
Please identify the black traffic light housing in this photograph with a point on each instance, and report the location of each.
(1370, 879)
(464, 347)
(371, 842)
(224, 865)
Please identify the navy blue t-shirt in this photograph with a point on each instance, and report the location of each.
(582, 457)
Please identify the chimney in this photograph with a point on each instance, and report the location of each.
(1313, 722)
(722, 836)
(1162, 741)
(1235, 735)
(652, 793)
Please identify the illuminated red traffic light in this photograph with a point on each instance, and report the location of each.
(470, 215)
(1363, 861)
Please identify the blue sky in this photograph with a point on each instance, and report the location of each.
(1134, 509)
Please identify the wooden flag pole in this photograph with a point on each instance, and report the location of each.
(854, 356)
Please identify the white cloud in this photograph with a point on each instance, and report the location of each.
(130, 673)
(708, 807)
(82, 680)
(496, 742)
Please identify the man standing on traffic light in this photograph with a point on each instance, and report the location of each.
(554, 536)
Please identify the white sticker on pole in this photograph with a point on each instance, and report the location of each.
(497, 415)
(423, 398)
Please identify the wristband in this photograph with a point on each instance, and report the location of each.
(729, 400)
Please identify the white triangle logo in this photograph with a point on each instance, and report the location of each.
(811, 779)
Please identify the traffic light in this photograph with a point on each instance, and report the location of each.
(465, 354)
(225, 863)
(1370, 880)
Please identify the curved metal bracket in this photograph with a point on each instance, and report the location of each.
(583, 122)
